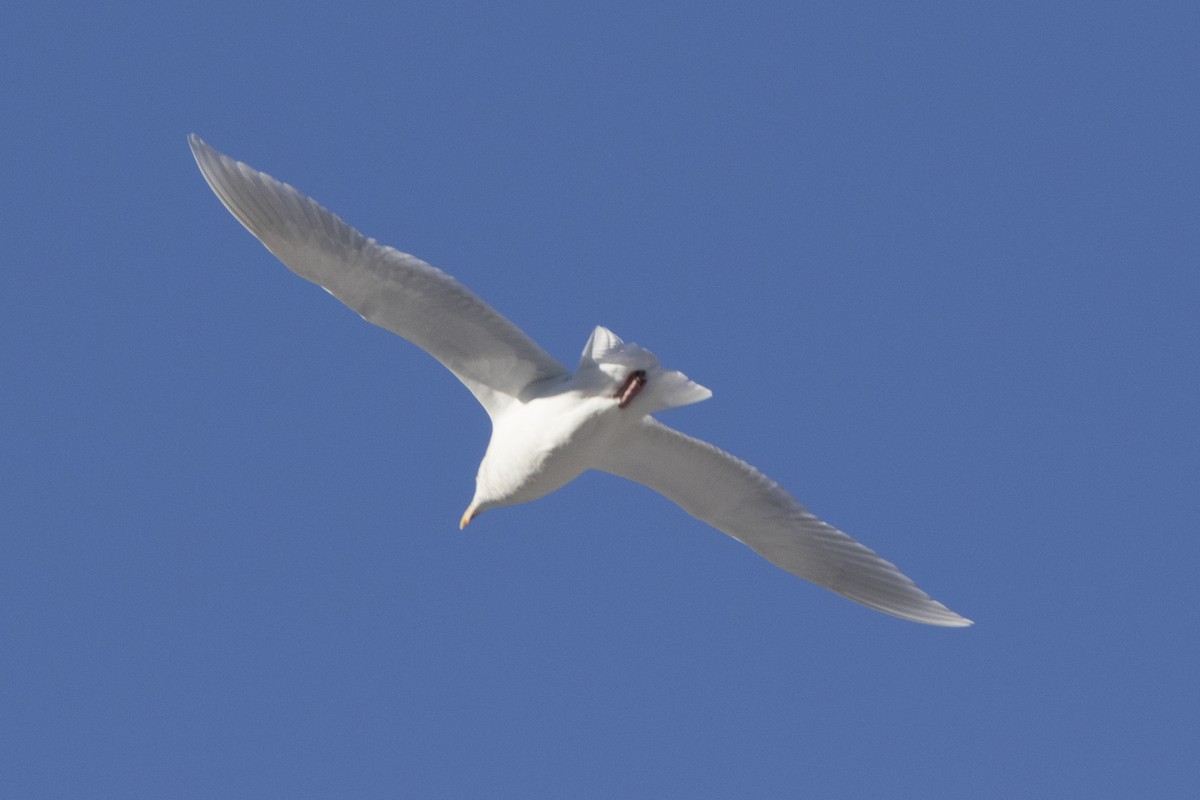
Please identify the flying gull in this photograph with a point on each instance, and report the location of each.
(550, 425)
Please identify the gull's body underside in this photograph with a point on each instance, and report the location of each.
(549, 425)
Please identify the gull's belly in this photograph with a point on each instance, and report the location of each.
(545, 444)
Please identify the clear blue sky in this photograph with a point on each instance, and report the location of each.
(939, 265)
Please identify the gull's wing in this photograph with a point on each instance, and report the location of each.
(737, 499)
(394, 290)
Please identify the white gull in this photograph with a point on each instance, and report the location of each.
(549, 425)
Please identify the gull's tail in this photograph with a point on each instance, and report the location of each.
(615, 359)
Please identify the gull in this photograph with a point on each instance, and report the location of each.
(550, 425)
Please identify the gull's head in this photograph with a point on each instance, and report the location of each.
(468, 515)
(477, 507)
(479, 504)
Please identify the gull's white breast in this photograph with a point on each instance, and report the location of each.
(546, 442)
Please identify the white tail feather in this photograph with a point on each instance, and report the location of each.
(606, 353)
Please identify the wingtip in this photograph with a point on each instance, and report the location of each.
(205, 154)
(202, 151)
(949, 619)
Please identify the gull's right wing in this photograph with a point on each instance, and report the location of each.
(490, 355)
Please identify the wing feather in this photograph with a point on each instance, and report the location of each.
(491, 356)
(738, 500)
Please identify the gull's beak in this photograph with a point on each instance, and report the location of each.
(467, 516)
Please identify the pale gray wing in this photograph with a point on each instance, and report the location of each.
(737, 499)
(394, 290)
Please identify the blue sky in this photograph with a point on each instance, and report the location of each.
(938, 265)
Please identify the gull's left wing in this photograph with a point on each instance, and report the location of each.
(490, 355)
(737, 499)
